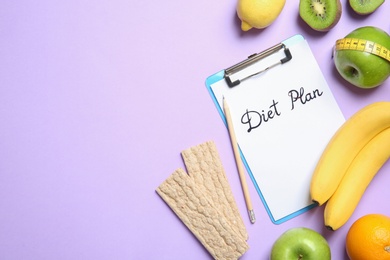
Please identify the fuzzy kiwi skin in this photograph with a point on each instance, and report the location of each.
(338, 15)
(335, 21)
(355, 6)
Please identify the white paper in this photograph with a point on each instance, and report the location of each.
(293, 115)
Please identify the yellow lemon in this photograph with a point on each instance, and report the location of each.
(258, 13)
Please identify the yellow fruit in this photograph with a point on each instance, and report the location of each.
(258, 13)
(362, 170)
(369, 238)
(346, 143)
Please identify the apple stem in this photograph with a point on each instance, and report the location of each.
(300, 257)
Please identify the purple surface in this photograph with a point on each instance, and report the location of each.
(98, 99)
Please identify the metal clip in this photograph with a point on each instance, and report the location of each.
(254, 58)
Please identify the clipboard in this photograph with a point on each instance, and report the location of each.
(284, 115)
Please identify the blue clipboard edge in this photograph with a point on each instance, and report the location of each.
(220, 76)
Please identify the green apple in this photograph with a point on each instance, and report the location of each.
(300, 243)
(363, 69)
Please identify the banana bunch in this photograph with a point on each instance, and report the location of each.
(350, 161)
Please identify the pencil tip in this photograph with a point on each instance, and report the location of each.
(252, 216)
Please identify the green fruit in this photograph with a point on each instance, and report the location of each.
(300, 243)
(320, 15)
(363, 69)
(365, 6)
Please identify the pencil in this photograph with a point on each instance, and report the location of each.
(239, 163)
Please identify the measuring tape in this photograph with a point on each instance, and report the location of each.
(363, 45)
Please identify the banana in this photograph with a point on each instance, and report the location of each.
(343, 147)
(362, 170)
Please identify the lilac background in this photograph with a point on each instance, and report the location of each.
(98, 99)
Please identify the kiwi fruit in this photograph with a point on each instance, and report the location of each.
(365, 7)
(320, 15)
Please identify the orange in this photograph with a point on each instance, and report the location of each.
(369, 238)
